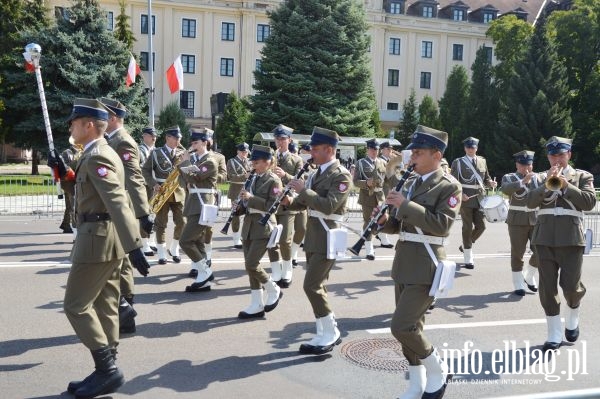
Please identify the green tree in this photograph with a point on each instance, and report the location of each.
(232, 128)
(452, 110)
(315, 69)
(576, 35)
(429, 114)
(535, 107)
(172, 115)
(122, 28)
(410, 118)
(80, 58)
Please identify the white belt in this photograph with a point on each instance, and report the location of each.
(160, 180)
(202, 191)
(474, 186)
(521, 208)
(253, 211)
(333, 216)
(404, 236)
(559, 211)
(378, 189)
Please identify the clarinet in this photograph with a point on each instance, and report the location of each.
(236, 204)
(382, 211)
(265, 219)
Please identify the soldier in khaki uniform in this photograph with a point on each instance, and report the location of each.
(145, 148)
(370, 178)
(472, 173)
(324, 195)
(521, 219)
(559, 240)
(126, 148)
(107, 230)
(264, 189)
(70, 156)
(156, 169)
(238, 170)
(288, 165)
(388, 184)
(429, 200)
(201, 182)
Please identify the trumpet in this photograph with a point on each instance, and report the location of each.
(553, 183)
(235, 206)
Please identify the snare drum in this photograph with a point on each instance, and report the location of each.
(495, 208)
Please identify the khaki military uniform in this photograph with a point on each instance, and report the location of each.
(433, 207)
(473, 223)
(326, 192)
(70, 156)
(144, 152)
(255, 237)
(107, 231)
(369, 198)
(222, 178)
(520, 219)
(558, 238)
(127, 150)
(202, 189)
(237, 171)
(155, 171)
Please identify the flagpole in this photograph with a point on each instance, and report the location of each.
(150, 66)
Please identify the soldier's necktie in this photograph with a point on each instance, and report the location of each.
(318, 173)
(279, 159)
(418, 183)
(474, 162)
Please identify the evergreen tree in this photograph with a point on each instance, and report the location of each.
(315, 69)
(80, 58)
(123, 29)
(410, 118)
(452, 110)
(172, 115)
(481, 112)
(232, 128)
(535, 107)
(428, 113)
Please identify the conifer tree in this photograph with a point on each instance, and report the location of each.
(410, 118)
(122, 28)
(315, 69)
(452, 110)
(232, 127)
(172, 115)
(428, 113)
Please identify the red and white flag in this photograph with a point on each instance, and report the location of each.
(29, 67)
(132, 71)
(175, 76)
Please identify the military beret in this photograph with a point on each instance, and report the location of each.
(426, 137)
(261, 152)
(114, 106)
(324, 136)
(86, 107)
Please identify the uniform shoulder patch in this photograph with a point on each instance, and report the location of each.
(343, 187)
(453, 201)
(276, 190)
(126, 156)
(102, 171)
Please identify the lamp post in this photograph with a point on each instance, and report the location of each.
(33, 52)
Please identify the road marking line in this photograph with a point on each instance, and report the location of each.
(468, 325)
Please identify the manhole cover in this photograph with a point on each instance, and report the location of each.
(376, 354)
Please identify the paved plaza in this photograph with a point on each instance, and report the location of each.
(191, 345)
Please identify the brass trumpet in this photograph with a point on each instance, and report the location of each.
(553, 183)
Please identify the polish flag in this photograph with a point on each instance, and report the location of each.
(29, 67)
(132, 71)
(175, 76)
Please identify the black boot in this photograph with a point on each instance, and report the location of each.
(75, 385)
(106, 379)
(126, 316)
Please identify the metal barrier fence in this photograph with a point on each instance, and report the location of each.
(26, 195)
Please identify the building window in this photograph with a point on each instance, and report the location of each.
(392, 106)
(457, 52)
(488, 17)
(188, 27)
(144, 60)
(144, 24)
(189, 63)
(258, 65)
(228, 31)
(226, 66)
(396, 7)
(393, 77)
(489, 52)
(428, 11)
(426, 49)
(394, 46)
(458, 15)
(425, 80)
(186, 99)
(262, 32)
(110, 21)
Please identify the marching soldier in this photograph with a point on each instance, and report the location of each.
(300, 219)
(288, 165)
(200, 176)
(238, 170)
(156, 169)
(265, 188)
(521, 219)
(388, 184)
(127, 150)
(145, 148)
(324, 195)
(67, 184)
(472, 173)
(107, 231)
(424, 212)
(559, 240)
(369, 177)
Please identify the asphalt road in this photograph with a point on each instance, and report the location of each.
(193, 345)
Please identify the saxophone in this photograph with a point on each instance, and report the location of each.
(166, 189)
